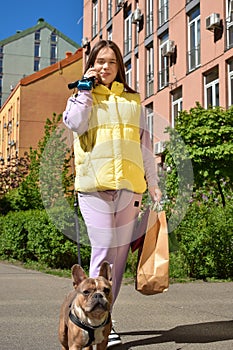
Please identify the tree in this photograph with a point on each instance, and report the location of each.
(12, 173)
(28, 194)
(207, 135)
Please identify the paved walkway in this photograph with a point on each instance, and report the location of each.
(189, 316)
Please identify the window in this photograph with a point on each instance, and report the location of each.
(177, 102)
(149, 17)
(53, 54)
(128, 73)
(36, 65)
(137, 74)
(211, 88)
(149, 71)
(53, 48)
(229, 23)
(163, 12)
(1, 62)
(37, 35)
(37, 50)
(150, 119)
(128, 33)
(109, 15)
(95, 18)
(119, 4)
(230, 83)
(163, 63)
(53, 37)
(194, 39)
(110, 33)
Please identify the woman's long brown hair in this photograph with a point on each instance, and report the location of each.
(121, 68)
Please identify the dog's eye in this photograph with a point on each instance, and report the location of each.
(86, 292)
(106, 291)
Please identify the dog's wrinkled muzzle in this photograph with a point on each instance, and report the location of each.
(97, 301)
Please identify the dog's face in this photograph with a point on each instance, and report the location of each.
(94, 295)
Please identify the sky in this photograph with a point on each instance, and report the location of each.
(65, 16)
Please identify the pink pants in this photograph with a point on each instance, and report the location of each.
(110, 217)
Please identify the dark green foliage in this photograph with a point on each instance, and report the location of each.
(207, 136)
(32, 236)
(205, 239)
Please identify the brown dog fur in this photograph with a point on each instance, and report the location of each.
(91, 301)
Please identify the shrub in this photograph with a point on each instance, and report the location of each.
(32, 236)
(205, 239)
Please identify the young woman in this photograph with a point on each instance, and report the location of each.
(113, 159)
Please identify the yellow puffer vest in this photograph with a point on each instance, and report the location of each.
(108, 155)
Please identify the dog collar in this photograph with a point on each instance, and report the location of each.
(90, 329)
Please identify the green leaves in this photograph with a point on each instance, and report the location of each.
(207, 135)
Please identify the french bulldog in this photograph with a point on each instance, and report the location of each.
(85, 317)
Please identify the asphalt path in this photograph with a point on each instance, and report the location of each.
(189, 316)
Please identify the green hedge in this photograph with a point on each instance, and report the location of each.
(205, 241)
(32, 236)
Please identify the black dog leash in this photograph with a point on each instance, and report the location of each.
(77, 226)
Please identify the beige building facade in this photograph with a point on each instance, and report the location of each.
(176, 53)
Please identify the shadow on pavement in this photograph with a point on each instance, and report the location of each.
(193, 333)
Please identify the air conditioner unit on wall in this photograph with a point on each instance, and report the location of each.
(213, 21)
(159, 147)
(168, 48)
(136, 16)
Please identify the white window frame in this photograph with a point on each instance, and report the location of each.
(163, 64)
(178, 102)
(213, 86)
(195, 48)
(128, 34)
(109, 13)
(230, 83)
(229, 23)
(95, 18)
(149, 17)
(149, 71)
(150, 121)
(137, 74)
(163, 11)
(128, 73)
(110, 33)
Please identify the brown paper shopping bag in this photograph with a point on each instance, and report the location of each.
(153, 264)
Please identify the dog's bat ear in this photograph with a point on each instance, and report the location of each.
(105, 271)
(78, 275)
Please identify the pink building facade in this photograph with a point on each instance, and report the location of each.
(176, 53)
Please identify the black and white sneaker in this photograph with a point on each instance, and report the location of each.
(113, 339)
